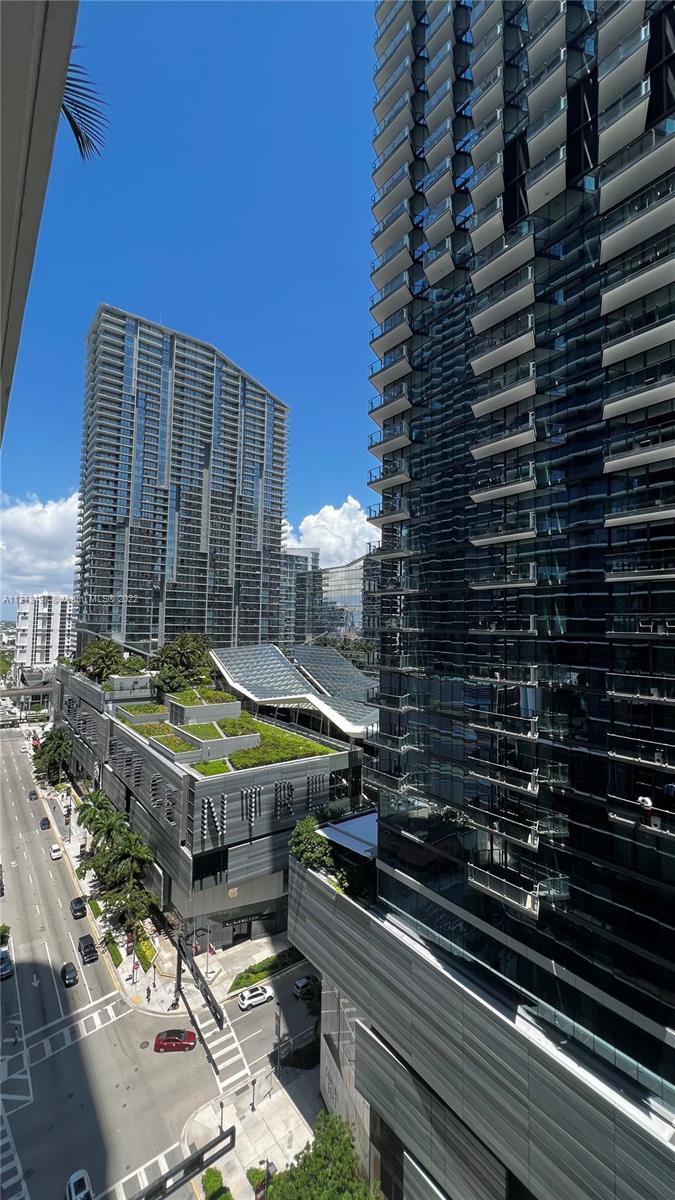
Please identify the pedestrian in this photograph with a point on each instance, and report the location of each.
(147, 994)
(16, 1034)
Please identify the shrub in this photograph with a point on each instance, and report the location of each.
(254, 972)
(310, 848)
(146, 729)
(213, 1186)
(4, 934)
(235, 726)
(187, 696)
(95, 907)
(217, 766)
(145, 953)
(204, 730)
(113, 949)
(256, 1176)
(147, 707)
(276, 745)
(214, 696)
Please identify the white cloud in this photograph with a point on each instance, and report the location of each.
(340, 534)
(37, 542)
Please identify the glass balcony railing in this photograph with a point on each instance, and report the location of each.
(399, 281)
(499, 577)
(658, 689)
(637, 205)
(630, 155)
(396, 6)
(436, 213)
(555, 159)
(623, 51)
(401, 429)
(501, 335)
(439, 57)
(391, 82)
(393, 46)
(660, 562)
(547, 118)
(506, 287)
(485, 85)
(439, 251)
(395, 391)
(477, 52)
(635, 96)
(548, 68)
(401, 317)
(637, 750)
(499, 722)
(485, 214)
(398, 177)
(483, 173)
(627, 325)
(500, 430)
(391, 506)
(439, 20)
(387, 471)
(503, 628)
(393, 145)
(442, 131)
(440, 94)
(438, 172)
(398, 211)
(499, 773)
(502, 477)
(642, 625)
(396, 248)
(389, 117)
(399, 354)
(522, 898)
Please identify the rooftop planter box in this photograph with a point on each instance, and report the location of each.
(201, 705)
(129, 687)
(208, 738)
(141, 714)
(277, 746)
(176, 749)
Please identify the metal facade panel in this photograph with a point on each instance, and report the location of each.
(562, 1138)
(263, 856)
(417, 1185)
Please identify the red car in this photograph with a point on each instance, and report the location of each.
(175, 1039)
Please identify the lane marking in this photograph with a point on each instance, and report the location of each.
(37, 909)
(74, 1013)
(250, 1035)
(59, 901)
(56, 987)
(83, 976)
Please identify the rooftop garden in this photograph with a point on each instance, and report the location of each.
(184, 663)
(148, 707)
(217, 766)
(159, 731)
(276, 745)
(202, 695)
(103, 658)
(206, 730)
(173, 742)
(235, 726)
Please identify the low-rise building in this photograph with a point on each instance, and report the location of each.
(212, 790)
(44, 631)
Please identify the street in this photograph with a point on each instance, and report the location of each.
(81, 1086)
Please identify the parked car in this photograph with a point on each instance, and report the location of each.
(32, 795)
(55, 852)
(175, 1039)
(305, 984)
(24, 749)
(6, 964)
(78, 908)
(69, 974)
(251, 997)
(79, 1187)
(45, 823)
(86, 948)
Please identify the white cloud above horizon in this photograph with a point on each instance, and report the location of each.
(37, 543)
(340, 534)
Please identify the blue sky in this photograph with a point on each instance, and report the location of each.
(232, 201)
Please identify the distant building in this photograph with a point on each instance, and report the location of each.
(300, 576)
(44, 632)
(182, 493)
(343, 604)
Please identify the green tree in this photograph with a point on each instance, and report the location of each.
(101, 658)
(310, 848)
(133, 858)
(182, 663)
(326, 1170)
(130, 904)
(53, 753)
(134, 665)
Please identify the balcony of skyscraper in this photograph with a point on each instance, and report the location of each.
(389, 439)
(392, 473)
(395, 399)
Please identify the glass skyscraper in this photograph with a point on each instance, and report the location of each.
(525, 410)
(182, 493)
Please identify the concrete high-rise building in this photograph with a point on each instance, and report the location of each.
(499, 1011)
(183, 488)
(44, 631)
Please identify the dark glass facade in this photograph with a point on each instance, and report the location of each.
(525, 412)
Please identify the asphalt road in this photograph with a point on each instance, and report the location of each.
(81, 1086)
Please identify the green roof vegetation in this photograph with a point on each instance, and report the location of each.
(276, 745)
(217, 766)
(205, 730)
(235, 726)
(147, 707)
(202, 695)
(146, 729)
(173, 742)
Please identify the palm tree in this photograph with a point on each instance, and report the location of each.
(81, 107)
(54, 752)
(102, 658)
(133, 859)
(93, 807)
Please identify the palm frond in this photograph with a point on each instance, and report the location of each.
(82, 108)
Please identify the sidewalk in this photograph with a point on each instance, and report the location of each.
(223, 965)
(277, 1128)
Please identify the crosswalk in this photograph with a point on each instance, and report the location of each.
(12, 1182)
(143, 1176)
(37, 1046)
(223, 1050)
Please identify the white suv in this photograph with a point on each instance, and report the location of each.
(253, 996)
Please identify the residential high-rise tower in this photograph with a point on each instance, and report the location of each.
(43, 630)
(182, 493)
(506, 1005)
